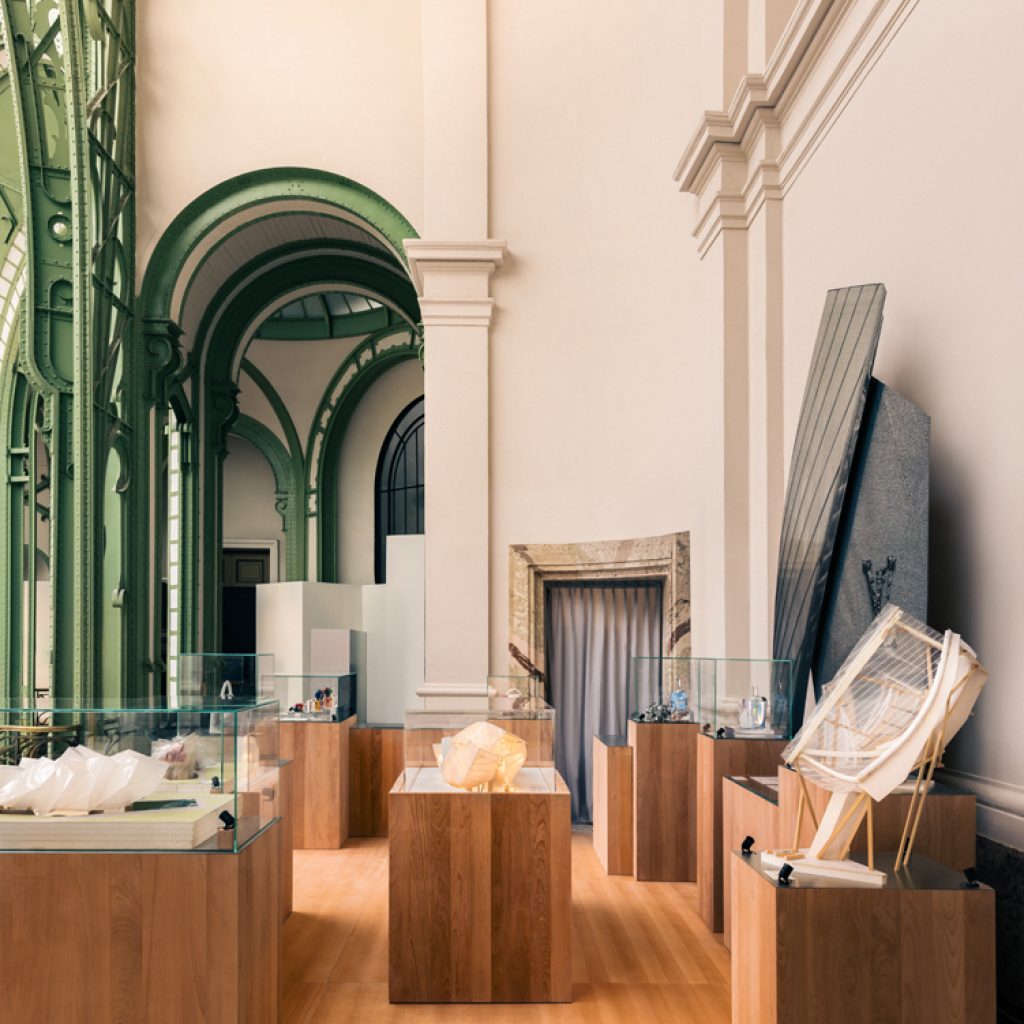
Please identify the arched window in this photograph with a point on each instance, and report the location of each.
(399, 482)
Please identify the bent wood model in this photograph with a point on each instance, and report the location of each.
(895, 703)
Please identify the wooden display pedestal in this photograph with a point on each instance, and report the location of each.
(376, 759)
(319, 752)
(150, 938)
(480, 891)
(284, 831)
(716, 759)
(664, 801)
(613, 804)
(919, 950)
(946, 833)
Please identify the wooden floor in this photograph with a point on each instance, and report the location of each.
(640, 949)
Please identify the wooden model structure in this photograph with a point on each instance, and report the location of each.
(894, 705)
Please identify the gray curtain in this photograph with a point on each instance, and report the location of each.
(592, 631)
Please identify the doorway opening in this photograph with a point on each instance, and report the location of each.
(243, 570)
(594, 629)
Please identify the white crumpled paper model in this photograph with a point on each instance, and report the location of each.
(79, 781)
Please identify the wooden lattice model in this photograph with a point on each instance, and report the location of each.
(895, 703)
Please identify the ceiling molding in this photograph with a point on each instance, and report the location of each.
(739, 158)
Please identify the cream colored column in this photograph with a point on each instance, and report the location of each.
(452, 266)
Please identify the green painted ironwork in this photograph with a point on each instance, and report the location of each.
(287, 491)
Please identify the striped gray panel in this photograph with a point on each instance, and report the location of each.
(826, 439)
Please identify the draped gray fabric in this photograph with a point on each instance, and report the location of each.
(592, 631)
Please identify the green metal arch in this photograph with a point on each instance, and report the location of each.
(250, 190)
(370, 363)
(287, 485)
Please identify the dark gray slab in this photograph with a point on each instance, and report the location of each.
(826, 439)
(884, 522)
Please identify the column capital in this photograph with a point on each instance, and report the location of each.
(453, 280)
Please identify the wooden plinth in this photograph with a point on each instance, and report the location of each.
(376, 759)
(150, 938)
(716, 759)
(946, 833)
(613, 805)
(664, 801)
(319, 752)
(745, 812)
(920, 950)
(285, 837)
(480, 897)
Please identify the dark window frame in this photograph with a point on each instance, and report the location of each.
(401, 459)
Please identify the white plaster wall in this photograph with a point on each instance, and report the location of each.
(237, 85)
(601, 420)
(249, 512)
(360, 449)
(916, 186)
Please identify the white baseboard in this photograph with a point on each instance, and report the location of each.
(1000, 805)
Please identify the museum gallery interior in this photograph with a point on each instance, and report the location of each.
(511, 511)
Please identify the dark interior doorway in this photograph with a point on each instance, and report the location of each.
(244, 568)
(592, 631)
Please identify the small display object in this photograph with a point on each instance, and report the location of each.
(119, 777)
(490, 749)
(902, 694)
(205, 679)
(726, 697)
(514, 693)
(314, 697)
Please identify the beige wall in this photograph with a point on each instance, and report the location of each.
(236, 85)
(249, 512)
(901, 191)
(597, 418)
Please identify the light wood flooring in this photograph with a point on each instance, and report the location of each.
(640, 949)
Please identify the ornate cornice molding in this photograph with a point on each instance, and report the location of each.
(741, 157)
(453, 280)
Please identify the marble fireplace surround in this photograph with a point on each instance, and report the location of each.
(643, 558)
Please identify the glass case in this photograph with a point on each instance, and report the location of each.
(313, 698)
(202, 778)
(669, 689)
(726, 697)
(489, 749)
(220, 677)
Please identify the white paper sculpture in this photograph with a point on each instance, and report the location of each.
(895, 703)
(479, 754)
(79, 781)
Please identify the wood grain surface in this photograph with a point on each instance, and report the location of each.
(717, 758)
(479, 897)
(142, 938)
(376, 759)
(285, 835)
(640, 952)
(664, 801)
(319, 752)
(613, 807)
(860, 955)
(743, 814)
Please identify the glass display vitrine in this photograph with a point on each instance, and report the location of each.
(726, 697)
(313, 698)
(670, 689)
(489, 749)
(228, 678)
(202, 778)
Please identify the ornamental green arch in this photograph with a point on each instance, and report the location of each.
(249, 191)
